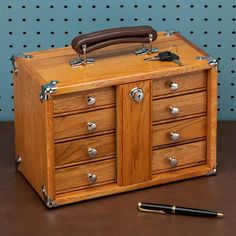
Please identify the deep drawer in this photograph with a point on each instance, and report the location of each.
(187, 154)
(84, 149)
(84, 100)
(78, 176)
(179, 106)
(78, 124)
(179, 131)
(179, 83)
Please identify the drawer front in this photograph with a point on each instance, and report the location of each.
(84, 100)
(184, 105)
(179, 131)
(179, 83)
(84, 123)
(85, 149)
(78, 176)
(187, 154)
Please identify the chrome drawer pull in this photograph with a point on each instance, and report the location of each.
(92, 152)
(174, 111)
(91, 101)
(92, 178)
(173, 161)
(174, 136)
(173, 86)
(137, 94)
(91, 126)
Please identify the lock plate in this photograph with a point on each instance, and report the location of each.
(137, 94)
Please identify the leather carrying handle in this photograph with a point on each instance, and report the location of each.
(104, 38)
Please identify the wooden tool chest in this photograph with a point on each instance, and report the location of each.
(80, 133)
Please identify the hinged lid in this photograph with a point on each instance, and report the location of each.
(114, 65)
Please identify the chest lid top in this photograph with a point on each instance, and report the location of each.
(114, 64)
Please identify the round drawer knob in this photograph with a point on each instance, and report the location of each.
(174, 136)
(173, 86)
(91, 101)
(174, 111)
(91, 126)
(92, 178)
(92, 152)
(173, 161)
(137, 94)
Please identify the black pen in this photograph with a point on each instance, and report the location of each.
(168, 209)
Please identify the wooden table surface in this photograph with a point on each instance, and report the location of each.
(23, 213)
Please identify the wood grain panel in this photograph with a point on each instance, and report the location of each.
(133, 134)
(212, 117)
(78, 101)
(75, 125)
(188, 105)
(77, 176)
(77, 150)
(187, 129)
(192, 153)
(186, 82)
(33, 130)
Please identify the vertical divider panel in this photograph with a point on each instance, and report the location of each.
(134, 125)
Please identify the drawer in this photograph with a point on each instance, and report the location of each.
(85, 149)
(174, 157)
(179, 83)
(179, 106)
(179, 131)
(84, 123)
(84, 100)
(78, 176)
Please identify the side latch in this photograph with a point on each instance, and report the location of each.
(212, 61)
(47, 200)
(13, 61)
(170, 32)
(48, 89)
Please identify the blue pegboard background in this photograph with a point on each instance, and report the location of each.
(35, 25)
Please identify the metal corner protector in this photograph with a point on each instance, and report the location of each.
(212, 61)
(48, 89)
(213, 171)
(13, 60)
(49, 202)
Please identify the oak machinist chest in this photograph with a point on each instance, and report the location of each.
(118, 125)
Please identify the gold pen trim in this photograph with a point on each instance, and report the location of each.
(146, 210)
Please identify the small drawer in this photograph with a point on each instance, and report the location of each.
(84, 100)
(85, 175)
(84, 123)
(179, 83)
(178, 131)
(84, 149)
(179, 106)
(178, 156)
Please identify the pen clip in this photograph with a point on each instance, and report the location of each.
(153, 211)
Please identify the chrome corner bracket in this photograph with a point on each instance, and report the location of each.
(13, 60)
(18, 160)
(213, 171)
(82, 60)
(48, 89)
(49, 202)
(170, 32)
(212, 61)
(144, 51)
